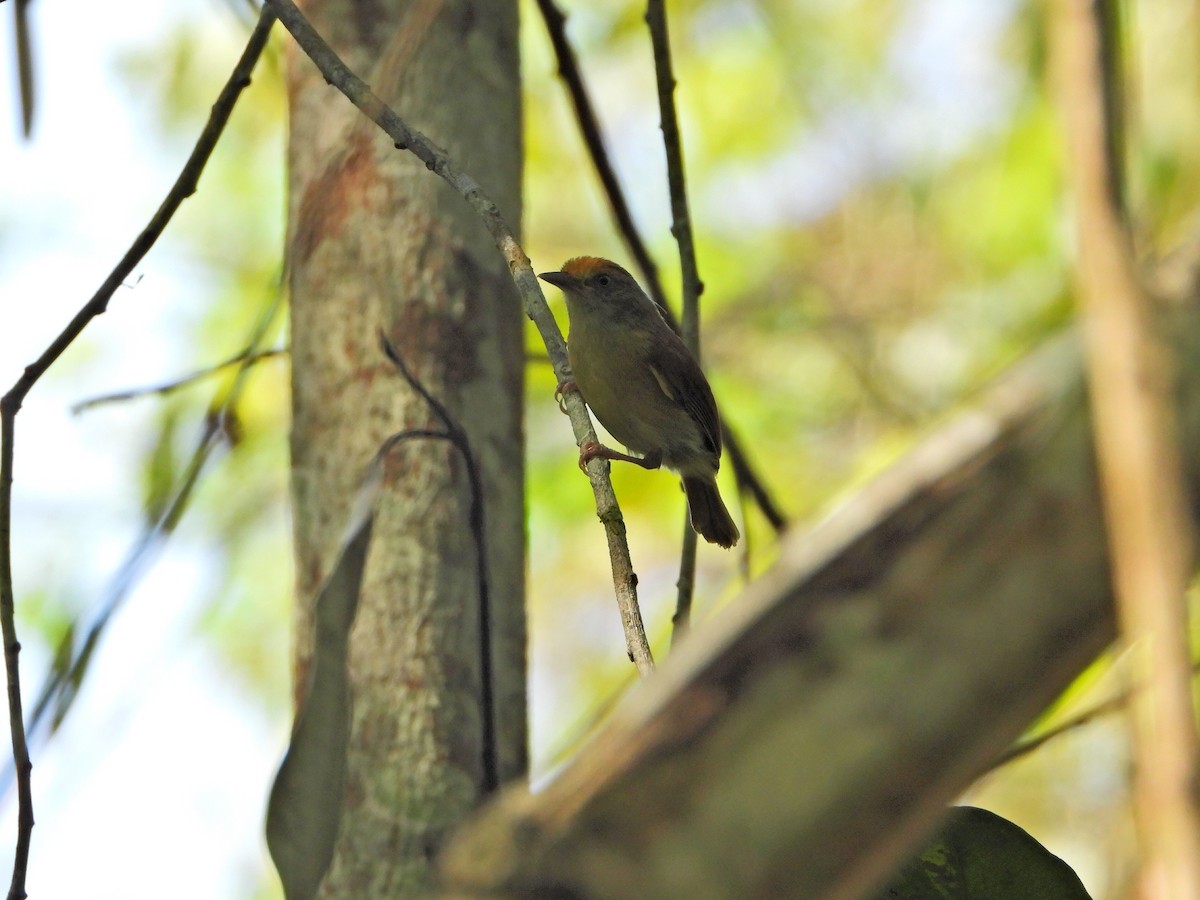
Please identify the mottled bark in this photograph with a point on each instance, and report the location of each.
(376, 242)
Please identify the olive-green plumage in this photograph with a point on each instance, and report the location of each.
(643, 385)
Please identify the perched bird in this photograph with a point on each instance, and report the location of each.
(643, 385)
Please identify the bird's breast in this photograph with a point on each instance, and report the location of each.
(617, 382)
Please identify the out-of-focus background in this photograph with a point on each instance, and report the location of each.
(882, 228)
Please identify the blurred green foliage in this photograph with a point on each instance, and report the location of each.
(859, 283)
(878, 200)
(239, 515)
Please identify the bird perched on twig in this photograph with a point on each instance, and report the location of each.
(644, 386)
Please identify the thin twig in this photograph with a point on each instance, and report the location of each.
(685, 584)
(681, 224)
(24, 64)
(693, 287)
(585, 116)
(10, 405)
(12, 649)
(437, 161)
(457, 436)
(58, 692)
(1105, 707)
(748, 481)
(167, 387)
(1029, 745)
(1130, 379)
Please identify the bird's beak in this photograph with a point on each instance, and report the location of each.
(561, 280)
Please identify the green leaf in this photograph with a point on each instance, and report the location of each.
(305, 809)
(979, 855)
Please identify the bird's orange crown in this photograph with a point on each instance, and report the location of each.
(586, 266)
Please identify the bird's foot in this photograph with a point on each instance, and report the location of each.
(564, 388)
(590, 450)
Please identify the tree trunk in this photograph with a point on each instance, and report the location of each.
(375, 242)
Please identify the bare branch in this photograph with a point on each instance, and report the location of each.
(1107, 707)
(57, 693)
(749, 482)
(24, 64)
(685, 584)
(10, 405)
(681, 228)
(585, 116)
(437, 161)
(1025, 747)
(168, 387)
(681, 225)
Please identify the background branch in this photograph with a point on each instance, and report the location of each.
(681, 219)
(59, 691)
(246, 355)
(1131, 378)
(681, 228)
(589, 127)
(1030, 744)
(436, 160)
(10, 405)
(24, 63)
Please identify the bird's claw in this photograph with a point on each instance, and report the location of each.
(588, 451)
(562, 390)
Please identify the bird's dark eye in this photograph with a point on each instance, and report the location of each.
(603, 280)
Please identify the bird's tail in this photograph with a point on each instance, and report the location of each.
(710, 518)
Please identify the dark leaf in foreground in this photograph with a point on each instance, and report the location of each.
(304, 811)
(979, 855)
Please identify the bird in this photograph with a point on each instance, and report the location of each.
(643, 384)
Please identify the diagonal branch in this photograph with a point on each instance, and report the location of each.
(437, 161)
(10, 405)
(1106, 707)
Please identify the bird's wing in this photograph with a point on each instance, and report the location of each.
(680, 377)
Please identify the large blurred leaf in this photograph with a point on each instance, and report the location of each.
(980, 856)
(304, 811)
